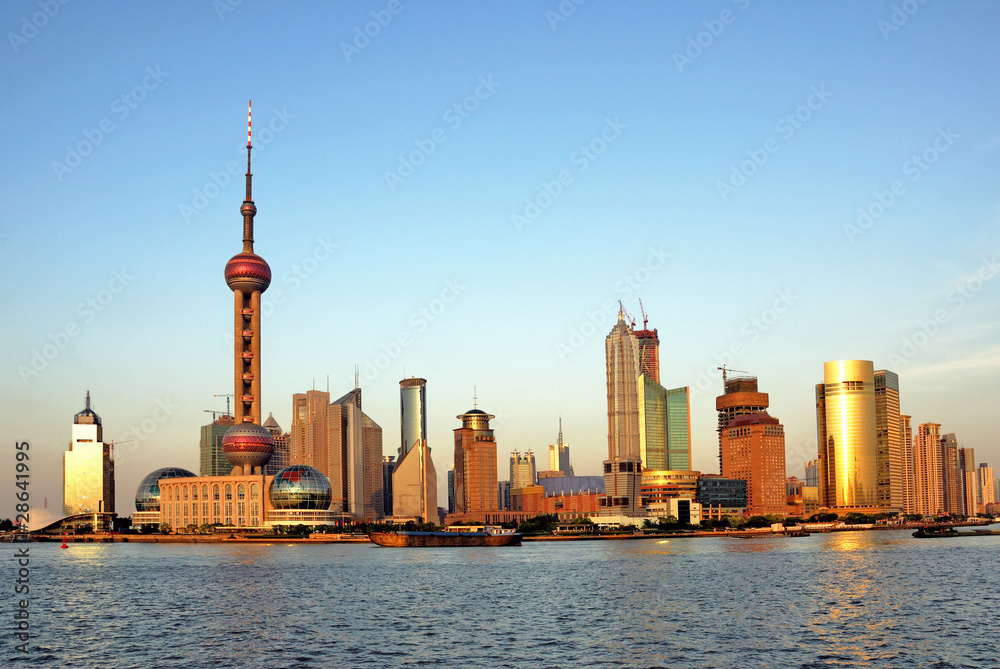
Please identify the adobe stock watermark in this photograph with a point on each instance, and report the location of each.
(453, 117)
(121, 107)
(750, 331)
(88, 310)
(581, 159)
(601, 320)
(786, 127)
(363, 36)
(141, 431)
(292, 279)
(30, 27)
(696, 44)
(22, 584)
(218, 181)
(914, 168)
(959, 296)
(223, 7)
(564, 10)
(418, 323)
(900, 15)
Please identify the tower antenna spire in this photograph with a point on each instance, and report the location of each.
(475, 398)
(560, 431)
(248, 209)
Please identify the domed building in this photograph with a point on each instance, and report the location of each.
(300, 495)
(147, 495)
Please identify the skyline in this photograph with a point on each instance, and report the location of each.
(435, 272)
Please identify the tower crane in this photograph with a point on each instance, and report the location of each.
(645, 319)
(228, 413)
(725, 369)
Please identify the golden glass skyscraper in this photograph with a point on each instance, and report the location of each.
(846, 435)
(88, 467)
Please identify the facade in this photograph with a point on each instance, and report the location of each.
(355, 451)
(987, 493)
(567, 485)
(475, 464)
(147, 495)
(236, 501)
(846, 436)
(888, 436)
(720, 496)
(88, 467)
(522, 469)
(387, 468)
(535, 501)
(740, 396)
(906, 457)
(412, 414)
(451, 489)
(753, 449)
(559, 455)
(281, 457)
(414, 485)
(213, 461)
(309, 439)
(928, 481)
(503, 496)
(953, 480)
(971, 480)
(660, 486)
(664, 426)
(649, 352)
(812, 473)
(623, 468)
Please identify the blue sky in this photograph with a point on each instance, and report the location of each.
(709, 158)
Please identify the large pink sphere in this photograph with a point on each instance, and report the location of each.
(248, 272)
(247, 444)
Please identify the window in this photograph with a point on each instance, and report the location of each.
(215, 492)
(241, 492)
(204, 492)
(194, 492)
(229, 493)
(185, 493)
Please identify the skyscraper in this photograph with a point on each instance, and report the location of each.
(952, 478)
(281, 457)
(846, 435)
(309, 439)
(414, 480)
(987, 492)
(970, 479)
(88, 467)
(213, 461)
(812, 474)
(355, 447)
(928, 482)
(522, 469)
(248, 276)
(906, 458)
(753, 450)
(888, 437)
(623, 468)
(649, 352)
(387, 468)
(475, 464)
(739, 397)
(559, 455)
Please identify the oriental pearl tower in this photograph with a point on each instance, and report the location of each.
(247, 445)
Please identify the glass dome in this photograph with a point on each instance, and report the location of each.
(300, 487)
(147, 496)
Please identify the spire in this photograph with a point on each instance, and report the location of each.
(475, 398)
(88, 400)
(560, 442)
(248, 209)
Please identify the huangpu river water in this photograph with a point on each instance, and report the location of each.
(849, 599)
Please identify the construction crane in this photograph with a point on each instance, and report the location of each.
(645, 319)
(112, 444)
(228, 413)
(725, 369)
(213, 412)
(624, 311)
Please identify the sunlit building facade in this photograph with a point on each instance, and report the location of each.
(623, 468)
(753, 449)
(88, 467)
(953, 480)
(355, 448)
(740, 397)
(213, 461)
(414, 480)
(906, 456)
(309, 439)
(928, 481)
(412, 414)
(559, 455)
(888, 435)
(846, 436)
(475, 464)
(522, 469)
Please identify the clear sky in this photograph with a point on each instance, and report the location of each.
(781, 184)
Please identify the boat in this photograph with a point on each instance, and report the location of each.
(796, 533)
(456, 535)
(936, 532)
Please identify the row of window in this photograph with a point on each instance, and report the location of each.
(177, 514)
(175, 493)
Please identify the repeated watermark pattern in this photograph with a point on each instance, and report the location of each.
(750, 331)
(122, 107)
(696, 44)
(956, 299)
(453, 117)
(899, 17)
(418, 323)
(581, 159)
(563, 11)
(363, 35)
(914, 168)
(37, 21)
(219, 180)
(142, 430)
(786, 127)
(598, 320)
(88, 310)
